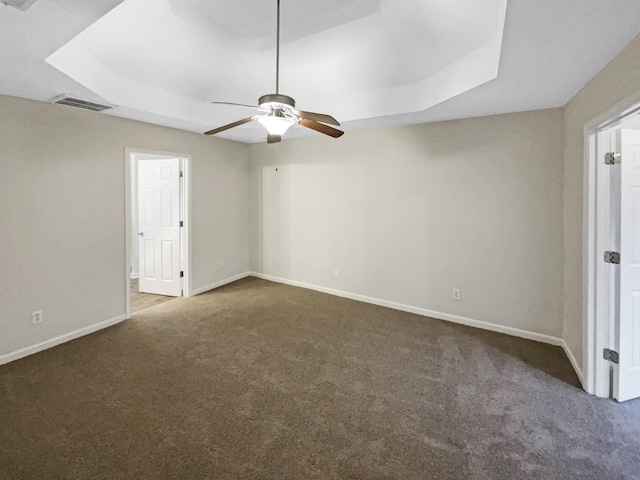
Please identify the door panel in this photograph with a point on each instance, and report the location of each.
(627, 377)
(159, 221)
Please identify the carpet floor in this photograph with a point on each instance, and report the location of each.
(266, 381)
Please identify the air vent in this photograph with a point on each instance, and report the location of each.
(80, 103)
(23, 5)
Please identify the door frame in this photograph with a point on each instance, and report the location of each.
(185, 244)
(597, 322)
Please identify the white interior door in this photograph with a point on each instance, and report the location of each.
(159, 226)
(626, 383)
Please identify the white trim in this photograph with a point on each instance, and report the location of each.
(470, 322)
(128, 159)
(589, 309)
(188, 237)
(24, 352)
(185, 198)
(221, 283)
(135, 276)
(574, 362)
(617, 112)
(595, 330)
(596, 275)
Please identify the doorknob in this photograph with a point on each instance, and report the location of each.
(141, 233)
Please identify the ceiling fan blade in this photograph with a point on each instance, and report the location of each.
(236, 104)
(273, 138)
(318, 117)
(319, 127)
(227, 127)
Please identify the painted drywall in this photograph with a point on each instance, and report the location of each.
(62, 195)
(407, 214)
(618, 83)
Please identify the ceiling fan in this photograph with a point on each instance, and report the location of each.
(278, 112)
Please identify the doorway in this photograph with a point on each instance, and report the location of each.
(157, 228)
(612, 320)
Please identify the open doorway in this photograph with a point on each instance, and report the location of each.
(157, 228)
(612, 320)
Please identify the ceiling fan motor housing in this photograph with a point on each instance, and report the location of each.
(279, 111)
(277, 99)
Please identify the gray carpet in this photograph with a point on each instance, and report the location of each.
(260, 380)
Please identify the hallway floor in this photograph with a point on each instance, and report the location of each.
(141, 301)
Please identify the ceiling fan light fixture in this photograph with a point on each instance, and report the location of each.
(276, 125)
(280, 109)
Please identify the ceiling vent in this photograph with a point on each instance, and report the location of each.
(23, 5)
(80, 103)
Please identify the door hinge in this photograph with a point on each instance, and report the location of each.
(612, 158)
(181, 223)
(611, 356)
(181, 274)
(181, 174)
(612, 257)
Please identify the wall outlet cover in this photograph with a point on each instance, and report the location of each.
(36, 317)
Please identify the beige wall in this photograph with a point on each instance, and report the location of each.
(407, 214)
(62, 198)
(490, 205)
(618, 81)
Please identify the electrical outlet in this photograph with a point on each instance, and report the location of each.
(457, 294)
(218, 266)
(36, 317)
(319, 269)
(336, 272)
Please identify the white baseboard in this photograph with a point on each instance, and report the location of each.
(574, 362)
(470, 322)
(24, 352)
(221, 283)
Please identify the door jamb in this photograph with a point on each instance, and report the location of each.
(596, 217)
(186, 231)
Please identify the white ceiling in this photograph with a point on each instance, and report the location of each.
(369, 63)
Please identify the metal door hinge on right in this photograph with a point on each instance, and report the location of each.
(612, 257)
(612, 158)
(611, 356)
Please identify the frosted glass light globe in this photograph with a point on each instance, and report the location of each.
(276, 125)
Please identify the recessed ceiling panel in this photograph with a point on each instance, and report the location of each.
(252, 27)
(359, 60)
(551, 49)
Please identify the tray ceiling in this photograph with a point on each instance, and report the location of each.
(370, 63)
